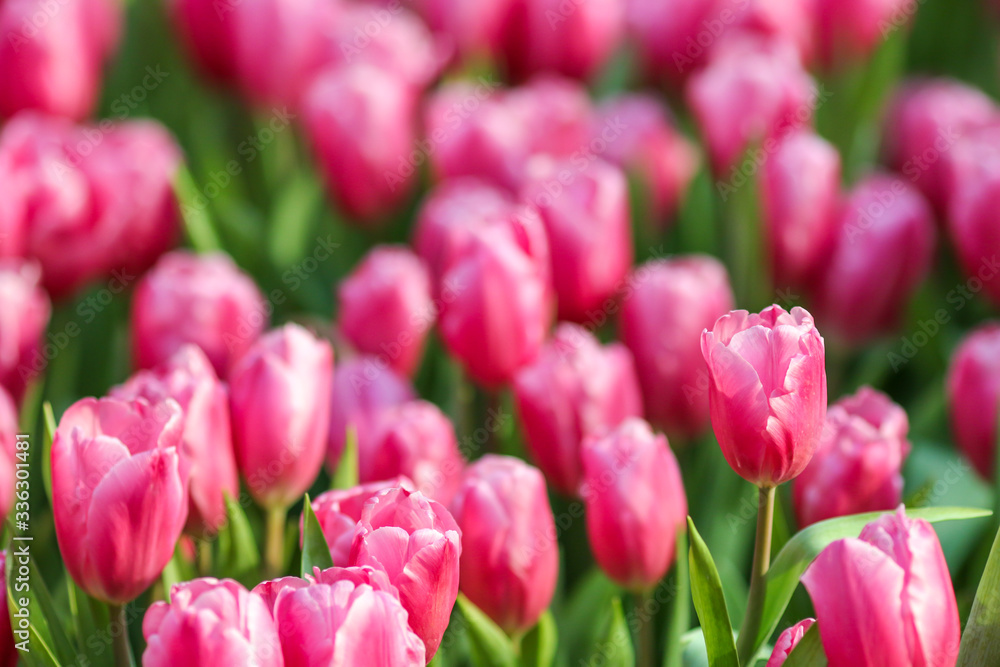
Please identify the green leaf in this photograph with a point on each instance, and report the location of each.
(291, 221)
(538, 646)
(710, 603)
(584, 613)
(315, 551)
(197, 223)
(346, 475)
(680, 614)
(614, 648)
(50, 433)
(89, 614)
(238, 552)
(981, 641)
(809, 651)
(490, 646)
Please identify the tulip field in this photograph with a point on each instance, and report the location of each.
(500, 333)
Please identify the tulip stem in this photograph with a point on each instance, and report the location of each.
(746, 642)
(274, 542)
(647, 639)
(119, 633)
(204, 548)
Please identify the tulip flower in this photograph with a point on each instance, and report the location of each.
(589, 229)
(557, 113)
(207, 441)
(207, 31)
(767, 391)
(883, 249)
(510, 555)
(24, 316)
(635, 504)
(800, 200)
(476, 31)
(386, 308)
(885, 598)
(418, 544)
(669, 303)
(201, 299)
(857, 465)
(119, 493)
(787, 641)
(209, 622)
(574, 390)
(8, 455)
(851, 30)
(974, 396)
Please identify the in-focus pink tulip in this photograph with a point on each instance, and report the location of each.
(635, 503)
(588, 224)
(417, 543)
(886, 598)
(752, 90)
(667, 306)
(119, 493)
(201, 299)
(207, 623)
(767, 391)
(883, 249)
(974, 396)
(510, 555)
(207, 443)
(851, 30)
(787, 641)
(574, 390)
(24, 316)
(8, 456)
(386, 309)
(9, 655)
(280, 401)
(207, 30)
(858, 464)
(800, 200)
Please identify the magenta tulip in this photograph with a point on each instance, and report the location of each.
(635, 504)
(9, 447)
(851, 30)
(574, 390)
(280, 402)
(24, 316)
(119, 493)
(767, 391)
(510, 555)
(858, 464)
(556, 112)
(475, 30)
(886, 598)
(787, 641)
(207, 623)
(974, 396)
(207, 30)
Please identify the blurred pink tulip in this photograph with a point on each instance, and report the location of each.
(119, 493)
(9, 445)
(510, 555)
(574, 390)
(201, 299)
(208, 31)
(668, 304)
(207, 441)
(9, 655)
(974, 396)
(767, 391)
(417, 543)
(386, 309)
(886, 599)
(557, 113)
(851, 30)
(208, 623)
(635, 503)
(476, 30)
(24, 317)
(280, 402)
(858, 465)
(787, 641)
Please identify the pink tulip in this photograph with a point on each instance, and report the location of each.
(882, 252)
(201, 299)
(669, 303)
(886, 598)
(851, 30)
(24, 316)
(119, 493)
(207, 623)
(417, 543)
(207, 30)
(207, 442)
(475, 30)
(635, 504)
(574, 390)
(787, 641)
(280, 402)
(767, 391)
(557, 114)
(386, 308)
(510, 556)
(9, 655)
(800, 198)
(974, 396)
(858, 465)
(9, 446)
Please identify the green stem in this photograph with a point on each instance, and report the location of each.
(122, 650)
(647, 628)
(204, 548)
(746, 642)
(274, 543)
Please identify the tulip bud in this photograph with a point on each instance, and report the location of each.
(574, 390)
(885, 598)
(207, 31)
(386, 308)
(207, 442)
(857, 465)
(556, 112)
(974, 396)
(8, 458)
(280, 402)
(633, 542)
(767, 391)
(851, 30)
(476, 31)
(787, 641)
(9, 655)
(119, 493)
(884, 238)
(209, 622)
(418, 545)
(800, 198)
(510, 555)
(201, 299)
(24, 316)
